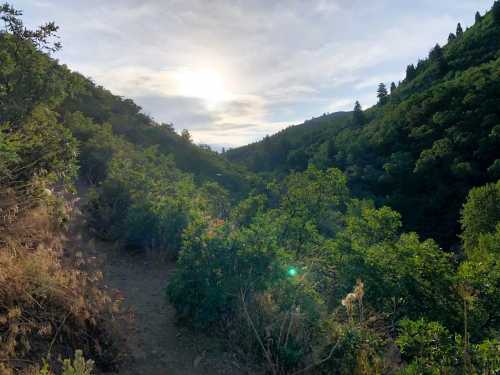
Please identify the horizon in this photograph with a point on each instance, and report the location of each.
(232, 73)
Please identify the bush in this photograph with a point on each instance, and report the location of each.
(215, 266)
(77, 366)
(145, 201)
(480, 214)
(428, 346)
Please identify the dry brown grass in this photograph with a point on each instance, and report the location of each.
(49, 306)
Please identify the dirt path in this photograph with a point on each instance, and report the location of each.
(157, 346)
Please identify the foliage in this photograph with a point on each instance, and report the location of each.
(421, 150)
(430, 344)
(480, 214)
(318, 270)
(432, 349)
(144, 201)
(77, 366)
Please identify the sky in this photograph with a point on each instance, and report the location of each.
(233, 71)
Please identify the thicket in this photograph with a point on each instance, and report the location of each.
(319, 280)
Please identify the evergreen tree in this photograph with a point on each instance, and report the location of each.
(186, 136)
(451, 37)
(382, 93)
(358, 117)
(496, 11)
(393, 87)
(411, 72)
(460, 31)
(437, 58)
(478, 17)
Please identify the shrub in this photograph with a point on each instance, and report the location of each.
(428, 346)
(77, 366)
(480, 214)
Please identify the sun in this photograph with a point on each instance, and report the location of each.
(204, 84)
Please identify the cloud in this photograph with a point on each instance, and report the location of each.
(266, 64)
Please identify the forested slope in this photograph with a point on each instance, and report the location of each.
(128, 122)
(423, 146)
(291, 148)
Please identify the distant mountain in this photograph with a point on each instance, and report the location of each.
(422, 147)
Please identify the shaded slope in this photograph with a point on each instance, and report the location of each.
(127, 120)
(422, 147)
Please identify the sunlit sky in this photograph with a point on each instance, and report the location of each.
(232, 71)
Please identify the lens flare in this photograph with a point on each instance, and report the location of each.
(292, 271)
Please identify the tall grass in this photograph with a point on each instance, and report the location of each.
(49, 306)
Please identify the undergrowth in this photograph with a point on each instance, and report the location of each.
(49, 306)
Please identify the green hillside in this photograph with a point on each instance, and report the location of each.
(291, 148)
(127, 121)
(425, 144)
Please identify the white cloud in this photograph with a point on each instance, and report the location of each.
(266, 64)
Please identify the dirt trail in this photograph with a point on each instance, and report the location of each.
(157, 346)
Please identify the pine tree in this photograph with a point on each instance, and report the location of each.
(460, 31)
(437, 58)
(358, 117)
(496, 11)
(382, 93)
(186, 136)
(393, 87)
(411, 72)
(478, 17)
(451, 37)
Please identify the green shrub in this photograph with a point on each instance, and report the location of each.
(427, 346)
(480, 214)
(77, 366)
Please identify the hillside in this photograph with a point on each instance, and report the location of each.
(124, 248)
(127, 121)
(291, 148)
(422, 147)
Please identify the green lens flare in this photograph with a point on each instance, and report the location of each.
(292, 271)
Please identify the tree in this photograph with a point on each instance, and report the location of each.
(28, 77)
(382, 93)
(358, 118)
(393, 87)
(460, 31)
(40, 38)
(496, 11)
(437, 58)
(186, 136)
(451, 37)
(411, 72)
(478, 17)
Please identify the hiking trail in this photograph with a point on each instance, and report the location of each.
(155, 343)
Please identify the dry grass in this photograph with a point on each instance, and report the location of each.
(49, 306)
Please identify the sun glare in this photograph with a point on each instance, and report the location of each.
(207, 85)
